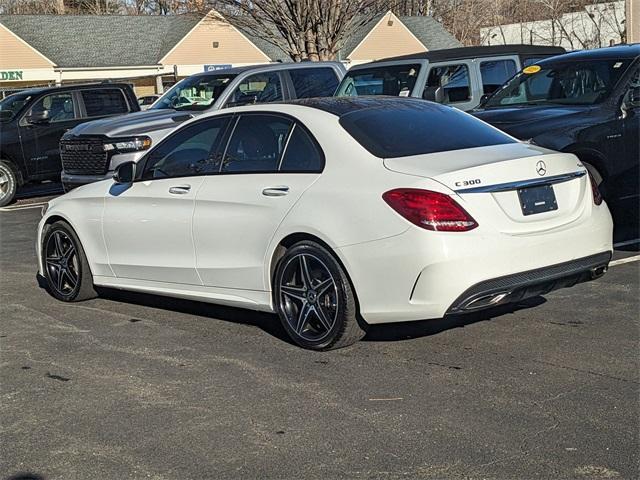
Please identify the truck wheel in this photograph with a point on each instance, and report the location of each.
(8, 183)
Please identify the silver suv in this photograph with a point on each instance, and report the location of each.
(91, 151)
(459, 77)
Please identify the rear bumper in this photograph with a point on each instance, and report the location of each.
(516, 287)
(419, 275)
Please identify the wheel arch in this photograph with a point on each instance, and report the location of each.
(291, 239)
(591, 156)
(20, 175)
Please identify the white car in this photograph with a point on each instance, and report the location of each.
(335, 213)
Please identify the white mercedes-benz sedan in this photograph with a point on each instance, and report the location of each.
(335, 213)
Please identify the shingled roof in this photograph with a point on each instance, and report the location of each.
(119, 40)
(101, 40)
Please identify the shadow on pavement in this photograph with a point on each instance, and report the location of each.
(25, 476)
(423, 328)
(270, 323)
(267, 322)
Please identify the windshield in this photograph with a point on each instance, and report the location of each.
(194, 93)
(577, 83)
(397, 80)
(14, 103)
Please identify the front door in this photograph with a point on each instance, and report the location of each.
(147, 225)
(41, 141)
(269, 163)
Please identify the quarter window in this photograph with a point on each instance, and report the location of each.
(102, 102)
(194, 150)
(313, 82)
(258, 88)
(60, 107)
(453, 79)
(256, 144)
(495, 72)
(302, 153)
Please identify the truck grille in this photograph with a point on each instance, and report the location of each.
(84, 156)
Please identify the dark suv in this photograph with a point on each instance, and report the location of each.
(33, 121)
(587, 103)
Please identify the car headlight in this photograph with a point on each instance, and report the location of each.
(125, 145)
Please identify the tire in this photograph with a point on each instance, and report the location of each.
(315, 300)
(8, 183)
(66, 270)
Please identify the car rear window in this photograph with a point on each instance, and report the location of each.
(107, 101)
(416, 128)
(314, 82)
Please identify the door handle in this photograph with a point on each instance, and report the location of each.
(180, 189)
(275, 191)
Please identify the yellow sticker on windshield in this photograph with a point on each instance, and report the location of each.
(531, 69)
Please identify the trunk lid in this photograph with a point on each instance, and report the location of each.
(492, 184)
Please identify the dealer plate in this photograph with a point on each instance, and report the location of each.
(537, 199)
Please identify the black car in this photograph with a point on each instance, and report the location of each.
(33, 121)
(587, 103)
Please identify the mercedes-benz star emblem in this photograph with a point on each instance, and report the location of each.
(541, 168)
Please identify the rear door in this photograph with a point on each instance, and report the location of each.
(269, 162)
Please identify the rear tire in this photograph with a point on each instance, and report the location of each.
(66, 268)
(315, 300)
(8, 183)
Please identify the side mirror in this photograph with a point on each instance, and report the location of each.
(433, 94)
(483, 99)
(125, 173)
(37, 118)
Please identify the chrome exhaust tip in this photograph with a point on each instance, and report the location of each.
(598, 271)
(486, 301)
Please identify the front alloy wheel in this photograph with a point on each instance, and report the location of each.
(65, 265)
(315, 300)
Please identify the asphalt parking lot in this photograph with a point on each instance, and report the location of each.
(138, 386)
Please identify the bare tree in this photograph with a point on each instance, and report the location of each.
(304, 29)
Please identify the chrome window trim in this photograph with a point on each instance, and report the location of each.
(505, 187)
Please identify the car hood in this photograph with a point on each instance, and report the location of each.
(132, 124)
(513, 116)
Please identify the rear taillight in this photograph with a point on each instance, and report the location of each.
(430, 210)
(597, 196)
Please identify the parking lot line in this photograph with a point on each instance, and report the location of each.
(620, 261)
(22, 207)
(627, 242)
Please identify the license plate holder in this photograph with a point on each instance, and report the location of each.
(538, 199)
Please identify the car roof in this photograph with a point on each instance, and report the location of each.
(619, 52)
(340, 106)
(266, 67)
(477, 52)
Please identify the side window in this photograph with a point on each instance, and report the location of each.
(495, 72)
(258, 88)
(256, 144)
(453, 79)
(302, 153)
(59, 105)
(104, 101)
(313, 82)
(194, 150)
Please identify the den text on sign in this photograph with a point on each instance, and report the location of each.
(11, 75)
